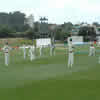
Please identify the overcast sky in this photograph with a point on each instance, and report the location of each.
(57, 11)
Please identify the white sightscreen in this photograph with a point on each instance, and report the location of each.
(98, 38)
(43, 42)
(76, 39)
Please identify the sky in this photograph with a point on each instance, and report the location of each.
(57, 11)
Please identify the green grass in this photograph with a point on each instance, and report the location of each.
(48, 78)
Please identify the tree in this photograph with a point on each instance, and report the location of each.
(96, 24)
(63, 31)
(58, 34)
(14, 20)
(88, 33)
(25, 28)
(5, 31)
(67, 27)
(4, 17)
(36, 26)
(30, 34)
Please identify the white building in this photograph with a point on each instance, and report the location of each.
(30, 21)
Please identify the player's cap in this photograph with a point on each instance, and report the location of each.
(91, 44)
(70, 39)
(6, 43)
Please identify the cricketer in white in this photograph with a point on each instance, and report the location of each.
(52, 50)
(92, 50)
(41, 50)
(32, 52)
(24, 50)
(6, 50)
(70, 54)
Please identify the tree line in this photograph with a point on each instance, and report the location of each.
(12, 25)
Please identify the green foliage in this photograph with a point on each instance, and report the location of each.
(88, 33)
(25, 28)
(99, 29)
(63, 31)
(67, 27)
(6, 31)
(30, 34)
(58, 34)
(96, 24)
(36, 27)
(14, 20)
(34, 42)
(26, 41)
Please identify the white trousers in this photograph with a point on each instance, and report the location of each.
(52, 52)
(24, 54)
(71, 59)
(32, 56)
(40, 52)
(99, 60)
(92, 53)
(6, 59)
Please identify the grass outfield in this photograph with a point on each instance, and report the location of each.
(48, 78)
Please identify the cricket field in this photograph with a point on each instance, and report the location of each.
(49, 78)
